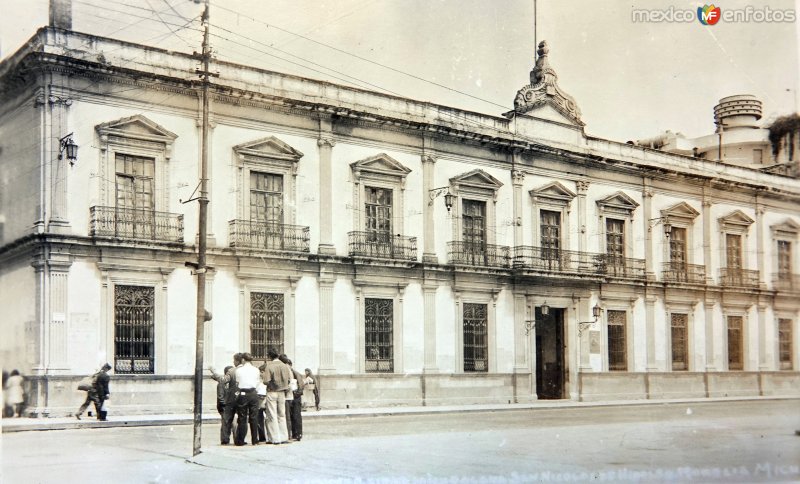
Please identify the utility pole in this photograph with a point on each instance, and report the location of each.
(202, 314)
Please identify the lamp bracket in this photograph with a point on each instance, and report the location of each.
(433, 193)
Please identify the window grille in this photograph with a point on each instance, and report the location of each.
(785, 343)
(378, 337)
(476, 346)
(134, 332)
(679, 324)
(617, 354)
(266, 324)
(735, 357)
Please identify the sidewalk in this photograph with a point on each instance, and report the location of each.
(63, 423)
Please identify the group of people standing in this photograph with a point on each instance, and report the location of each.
(266, 400)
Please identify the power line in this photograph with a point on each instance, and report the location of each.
(393, 69)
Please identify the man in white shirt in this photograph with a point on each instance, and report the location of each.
(247, 378)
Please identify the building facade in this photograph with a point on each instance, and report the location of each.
(407, 252)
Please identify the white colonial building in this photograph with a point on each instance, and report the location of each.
(409, 253)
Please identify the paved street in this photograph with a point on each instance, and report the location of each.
(724, 442)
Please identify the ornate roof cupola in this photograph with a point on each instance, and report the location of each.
(543, 90)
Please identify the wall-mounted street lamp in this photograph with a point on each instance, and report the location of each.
(66, 144)
(660, 220)
(433, 193)
(582, 325)
(531, 323)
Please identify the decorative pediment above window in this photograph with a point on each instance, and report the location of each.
(476, 182)
(680, 214)
(788, 229)
(380, 167)
(553, 193)
(138, 131)
(617, 204)
(268, 151)
(735, 221)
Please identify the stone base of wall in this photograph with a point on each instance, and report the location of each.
(58, 396)
(637, 386)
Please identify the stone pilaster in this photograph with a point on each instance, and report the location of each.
(650, 331)
(584, 357)
(326, 356)
(709, 330)
(518, 178)
(647, 214)
(429, 344)
(59, 168)
(707, 240)
(429, 234)
(764, 363)
(325, 144)
(583, 187)
(761, 260)
(57, 334)
(520, 337)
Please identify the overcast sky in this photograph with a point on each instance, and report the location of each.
(630, 79)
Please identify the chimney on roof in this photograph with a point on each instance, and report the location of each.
(61, 14)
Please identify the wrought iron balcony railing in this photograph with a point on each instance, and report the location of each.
(548, 259)
(252, 234)
(682, 272)
(382, 245)
(478, 254)
(786, 281)
(738, 277)
(622, 267)
(132, 224)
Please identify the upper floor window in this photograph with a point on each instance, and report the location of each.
(474, 224)
(784, 257)
(134, 176)
(551, 208)
(677, 246)
(266, 197)
(678, 266)
(615, 239)
(378, 213)
(733, 251)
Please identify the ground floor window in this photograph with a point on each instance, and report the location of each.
(134, 329)
(785, 343)
(735, 357)
(680, 342)
(476, 345)
(378, 337)
(617, 354)
(266, 324)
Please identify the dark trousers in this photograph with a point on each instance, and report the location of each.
(247, 411)
(227, 414)
(262, 428)
(296, 418)
(92, 397)
(288, 417)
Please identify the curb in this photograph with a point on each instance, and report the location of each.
(42, 424)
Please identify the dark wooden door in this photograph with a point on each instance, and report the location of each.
(550, 354)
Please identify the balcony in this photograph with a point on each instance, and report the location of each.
(382, 245)
(132, 224)
(786, 282)
(478, 254)
(685, 273)
(621, 267)
(555, 260)
(252, 234)
(738, 277)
